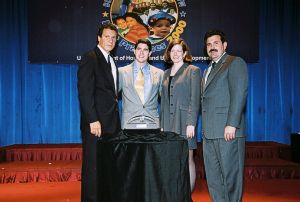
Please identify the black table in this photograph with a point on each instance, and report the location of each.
(143, 166)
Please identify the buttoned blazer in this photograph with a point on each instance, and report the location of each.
(182, 108)
(97, 93)
(132, 106)
(223, 98)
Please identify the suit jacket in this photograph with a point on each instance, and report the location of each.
(97, 93)
(223, 98)
(135, 114)
(182, 108)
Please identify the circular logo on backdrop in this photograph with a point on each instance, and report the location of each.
(144, 19)
(160, 21)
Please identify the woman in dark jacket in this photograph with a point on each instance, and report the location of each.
(180, 99)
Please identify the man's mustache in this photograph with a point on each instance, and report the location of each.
(211, 50)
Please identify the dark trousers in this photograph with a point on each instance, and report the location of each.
(89, 182)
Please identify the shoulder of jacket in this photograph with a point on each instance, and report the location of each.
(156, 69)
(124, 68)
(90, 53)
(237, 59)
(193, 68)
(167, 71)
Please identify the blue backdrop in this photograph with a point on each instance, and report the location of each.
(38, 103)
(64, 25)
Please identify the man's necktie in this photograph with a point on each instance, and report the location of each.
(212, 69)
(108, 62)
(139, 84)
(113, 71)
(213, 64)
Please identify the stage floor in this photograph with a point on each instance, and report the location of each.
(274, 190)
(51, 173)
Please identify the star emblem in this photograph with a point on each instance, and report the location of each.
(105, 14)
(182, 14)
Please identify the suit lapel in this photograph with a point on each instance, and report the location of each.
(212, 74)
(166, 82)
(215, 71)
(203, 84)
(129, 74)
(111, 78)
(117, 80)
(153, 77)
(102, 63)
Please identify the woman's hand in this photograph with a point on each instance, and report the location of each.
(190, 131)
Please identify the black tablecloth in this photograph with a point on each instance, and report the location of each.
(143, 166)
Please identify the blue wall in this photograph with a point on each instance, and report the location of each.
(38, 102)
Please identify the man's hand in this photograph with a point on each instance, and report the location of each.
(229, 133)
(96, 128)
(190, 131)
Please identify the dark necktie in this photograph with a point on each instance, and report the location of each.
(108, 62)
(213, 65)
(212, 69)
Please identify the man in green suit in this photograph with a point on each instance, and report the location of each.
(223, 97)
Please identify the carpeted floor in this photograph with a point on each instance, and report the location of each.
(51, 173)
(274, 190)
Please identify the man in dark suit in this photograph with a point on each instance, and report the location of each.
(224, 94)
(97, 89)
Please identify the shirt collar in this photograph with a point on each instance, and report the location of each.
(136, 67)
(103, 52)
(219, 58)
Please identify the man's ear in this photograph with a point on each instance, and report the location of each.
(225, 45)
(150, 53)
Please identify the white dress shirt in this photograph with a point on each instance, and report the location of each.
(112, 64)
(210, 67)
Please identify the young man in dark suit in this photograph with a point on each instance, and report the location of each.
(224, 94)
(97, 90)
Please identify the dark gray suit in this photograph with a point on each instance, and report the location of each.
(182, 107)
(223, 102)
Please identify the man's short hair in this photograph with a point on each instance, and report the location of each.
(106, 26)
(215, 32)
(144, 41)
